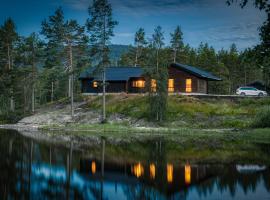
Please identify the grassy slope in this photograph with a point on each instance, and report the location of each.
(188, 111)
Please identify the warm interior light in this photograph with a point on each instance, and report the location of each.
(95, 84)
(93, 167)
(187, 174)
(138, 170)
(169, 173)
(189, 85)
(152, 169)
(153, 85)
(138, 84)
(171, 85)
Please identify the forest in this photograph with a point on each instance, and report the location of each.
(44, 67)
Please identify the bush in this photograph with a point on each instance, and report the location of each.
(262, 119)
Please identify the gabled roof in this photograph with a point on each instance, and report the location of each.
(114, 73)
(125, 73)
(196, 72)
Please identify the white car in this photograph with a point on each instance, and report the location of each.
(250, 91)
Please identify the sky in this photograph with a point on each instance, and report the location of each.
(210, 21)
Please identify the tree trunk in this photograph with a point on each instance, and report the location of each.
(174, 56)
(52, 96)
(71, 80)
(33, 98)
(104, 96)
(104, 73)
(12, 103)
(136, 57)
(69, 87)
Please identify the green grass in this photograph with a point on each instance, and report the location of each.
(188, 111)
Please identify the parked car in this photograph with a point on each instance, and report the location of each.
(250, 91)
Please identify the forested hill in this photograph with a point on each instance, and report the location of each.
(117, 50)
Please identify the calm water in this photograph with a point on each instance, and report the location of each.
(33, 170)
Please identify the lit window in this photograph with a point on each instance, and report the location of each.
(152, 169)
(171, 85)
(138, 170)
(188, 85)
(93, 167)
(138, 84)
(169, 173)
(153, 85)
(187, 174)
(95, 84)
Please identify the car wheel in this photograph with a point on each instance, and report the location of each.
(243, 94)
(260, 94)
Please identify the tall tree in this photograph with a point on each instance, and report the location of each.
(71, 35)
(8, 39)
(176, 41)
(32, 50)
(100, 25)
(158, 97)
(140, 42)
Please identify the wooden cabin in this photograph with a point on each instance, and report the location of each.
(181, 79)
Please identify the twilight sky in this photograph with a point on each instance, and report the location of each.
(209, 21)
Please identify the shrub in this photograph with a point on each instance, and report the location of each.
(262, 119)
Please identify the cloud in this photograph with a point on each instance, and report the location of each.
(145, 6)
(243, 35)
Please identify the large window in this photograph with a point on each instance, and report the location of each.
(138, 84)
(153, 85)
(171, 85)
(189, 85)
(95, 84)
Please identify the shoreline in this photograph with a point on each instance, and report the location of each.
(211, 146)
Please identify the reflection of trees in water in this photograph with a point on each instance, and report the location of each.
(141, 191)
(19, 155)
(227, 178)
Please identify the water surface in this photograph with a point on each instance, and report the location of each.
(35, 170)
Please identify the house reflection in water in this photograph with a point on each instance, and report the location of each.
(152, 169)
(169, 173)
(93, 167)
(138, 170)
(187, 174)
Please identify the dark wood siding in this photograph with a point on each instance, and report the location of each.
(112, 86)
(198, 85)
(180, 80)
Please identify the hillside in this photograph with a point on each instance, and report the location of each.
(132, 111)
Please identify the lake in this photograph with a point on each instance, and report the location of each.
(38, 170)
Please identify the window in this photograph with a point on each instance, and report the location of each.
(153, 85)
(171, 85)
(189, 85)
(95, 84)
(138, 84)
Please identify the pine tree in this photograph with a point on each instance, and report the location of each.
(32, 50)
(140, 42)
(8, 38)
(100, 25)
(176, 42)
(68, 35)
